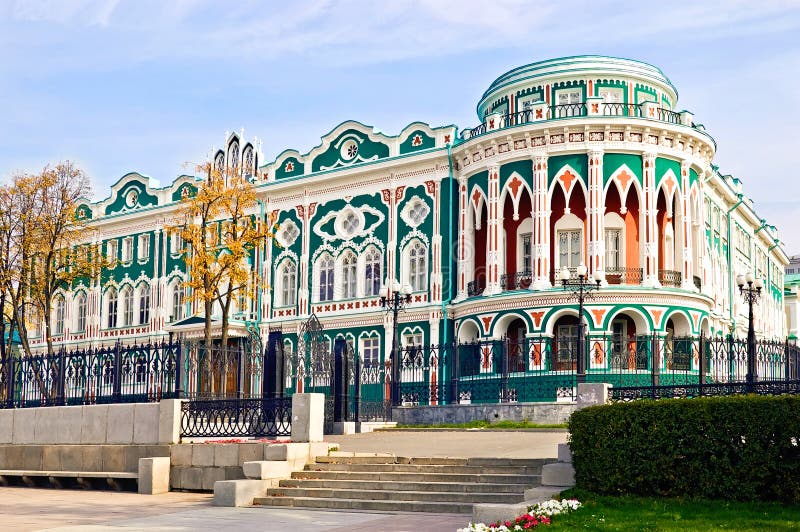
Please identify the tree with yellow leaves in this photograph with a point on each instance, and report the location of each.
(221, 231)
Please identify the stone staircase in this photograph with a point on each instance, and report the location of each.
(391, 483)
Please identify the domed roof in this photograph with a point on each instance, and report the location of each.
(580, 65)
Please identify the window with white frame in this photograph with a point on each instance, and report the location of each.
(81, 304)
(372, 272)
(176, 244)
(569, 99)
(113, 303)
(412, 339)
(178, 294)
(349, 262)
(326, 268)
(288, 280)
(570, 246)
(614, 249)
(60, 315)
(418, 266)
(371, 351)
(127, 249)
(127, 306)
(527, 252)
(527, 103)
(111, 250)
(144, 304)
(613, 99)
(143, 251)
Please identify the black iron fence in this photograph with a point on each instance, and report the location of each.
(237, 417)
(113, 374)
(544, 369)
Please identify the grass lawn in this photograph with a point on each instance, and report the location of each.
(640, 513)
(481, 424)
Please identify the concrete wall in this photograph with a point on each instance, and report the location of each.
(59, 457)
(545, 413)
(134, 423)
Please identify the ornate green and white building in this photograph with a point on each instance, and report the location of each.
(581, 160)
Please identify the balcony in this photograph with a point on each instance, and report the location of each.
(670, 278)
(543, 112)
(624, 276)
(476, 288)
(516, 281)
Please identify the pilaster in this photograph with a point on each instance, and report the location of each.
(494, 227)
(541, 225)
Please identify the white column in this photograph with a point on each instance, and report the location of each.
(494, 228)
(436, 247)
(650, 220)
(596, 212)
(686, 227)
(541, 224)
(464, 275)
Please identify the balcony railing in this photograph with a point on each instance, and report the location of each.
(669, 278)
(697, 282)
(624, 276)
(572, 110)
(476, 288)
(516, 281)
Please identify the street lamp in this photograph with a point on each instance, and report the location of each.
(751, 294)
(394, 298)
(580, 288)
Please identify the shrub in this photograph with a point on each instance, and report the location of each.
(738, 448)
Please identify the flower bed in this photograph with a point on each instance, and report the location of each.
(538, 514)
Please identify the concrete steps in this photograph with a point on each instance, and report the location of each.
(407, 484)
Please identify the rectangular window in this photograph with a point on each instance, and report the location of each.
(111, 250)
(568, 103)
(144, 247)
(528, 102)
(144, 306)
(176, 244)
(371, 351)
(127, 249)
(610, 95)
(613, 245)
(566, 340)
(570, 245)
(527, 253)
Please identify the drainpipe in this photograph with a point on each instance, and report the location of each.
(730, 265)
(446, 301)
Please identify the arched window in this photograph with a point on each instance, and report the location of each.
(233, 155)
(144, 305)
(177, 302)
(349, 276)
(326, 268)
(127, 306)
(81, 304)
(418, 266)
(60, 311)
(372, 272)
(288, 280)
(112, 308)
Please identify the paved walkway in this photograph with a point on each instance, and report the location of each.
(27, 509)
(88, 511)
(463, 444)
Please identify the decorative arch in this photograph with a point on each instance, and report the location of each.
(500, 326)
(568, 178)
(556, 313)
(642, 320)
(681, 321)
(514, 188)
(469, 330)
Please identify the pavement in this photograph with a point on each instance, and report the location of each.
(28, 509)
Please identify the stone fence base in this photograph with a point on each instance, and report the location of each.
(544, 413)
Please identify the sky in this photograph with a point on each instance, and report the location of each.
(151, 86)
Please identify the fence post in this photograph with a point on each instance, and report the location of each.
(357, 385)
(454, 369)
(504, 344)
(117, 374)
(339, 347)
(178, 366)
(701, 379)
(12, 378)
(656, 358)
(61, 398)
(272, 368)
(786, 358)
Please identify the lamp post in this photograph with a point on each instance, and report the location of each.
(750, 289)
(580, 288)
(394, 298)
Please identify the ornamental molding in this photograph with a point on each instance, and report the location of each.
(551, 299)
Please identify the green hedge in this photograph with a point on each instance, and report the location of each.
(739, 448)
